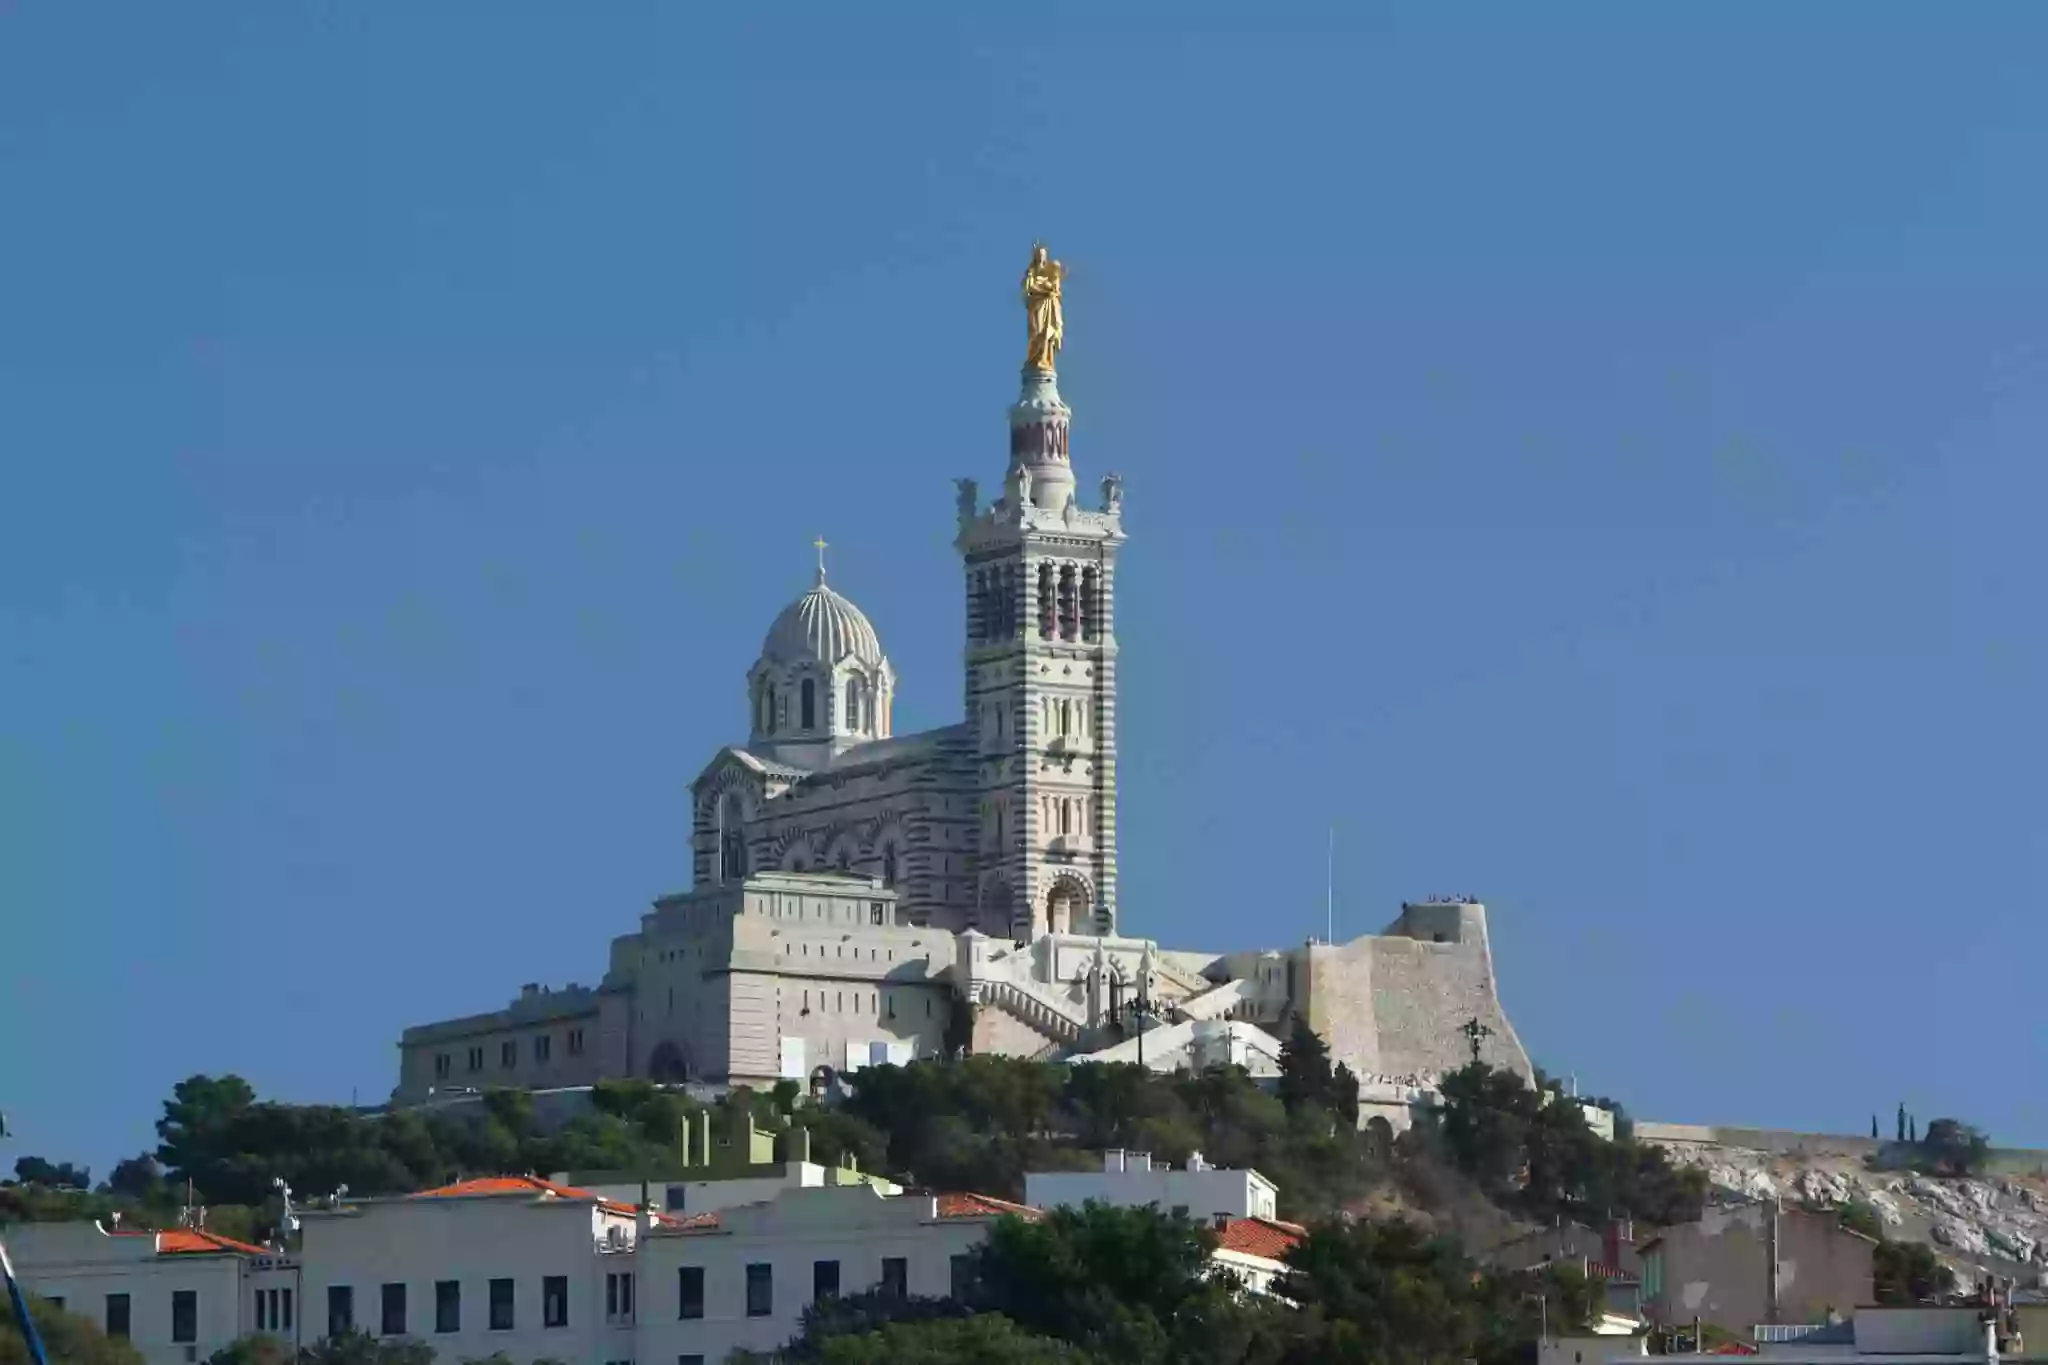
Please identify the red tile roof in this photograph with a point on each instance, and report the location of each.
(1267, 1237)
(194, 1242)
(530, 1185)
(983, 1206)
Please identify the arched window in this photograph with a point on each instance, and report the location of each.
(768, 709)
(853, 704)
(889, 866)
(870, 725)
(808, 704)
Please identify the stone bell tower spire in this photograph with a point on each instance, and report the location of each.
(1040, 662)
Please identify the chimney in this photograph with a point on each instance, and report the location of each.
(1195, 1162)
(1113, 1161)
(1222, 1222)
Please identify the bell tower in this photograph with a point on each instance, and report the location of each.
(1040, 663)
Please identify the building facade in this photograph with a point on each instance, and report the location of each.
(854, 889)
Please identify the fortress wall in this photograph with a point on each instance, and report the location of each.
(1395, 1005)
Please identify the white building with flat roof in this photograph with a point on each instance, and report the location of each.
(176, 1296)
(1133, 1180)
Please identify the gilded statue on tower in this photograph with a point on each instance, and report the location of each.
(1042, 309)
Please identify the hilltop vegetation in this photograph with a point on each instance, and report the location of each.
(1498, 1149)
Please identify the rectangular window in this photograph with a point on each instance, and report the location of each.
(476, 1059)
(284, 1298)
(963, 1278)
(760, 1290)
(875, 913)
(674, 1197)
(508, 1054)
(117, 1316)
(541, 1046)
(391, 1314)
(184, 1315)
(265, 1298)
(441, 1066)
(824, 1279)
(895, 1276)
(575, 1042)
(692, 1359)
(55, 1301)
(341, 1309)
(554, 1301)
(618, 1296)
(501, 1306)
(447, 1305)
(690, 1291)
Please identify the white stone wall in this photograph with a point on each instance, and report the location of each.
(81, 1265)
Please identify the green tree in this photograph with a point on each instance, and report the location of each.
(254, 1349)
(1306, 1080)
(56, 1175)
(1952, 1147)
(985, 1339)
(360, 1348)
(68, 1339)
(1906, 1273)
(138, 1177)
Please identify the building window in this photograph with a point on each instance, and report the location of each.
(760, 1290)
(692, 1359)
(618, 1296)
(690, 1291)
(284, 1301)
(575, 1042)
(807, 703)
(476, 1059)
(895, 1276)
(184, 1315)
(963, 1277)
(554, 1301)
(853, 703)
(876, 911)
(824, 1279)
(341, 1309)
(542, 1046)
(392, 1313)
(447, 1305)
(55, 1301)
(117, 1316)
(441, 1066)
(501, 1306)
(508, 1054)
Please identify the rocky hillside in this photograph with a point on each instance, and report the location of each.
(1996, 1225)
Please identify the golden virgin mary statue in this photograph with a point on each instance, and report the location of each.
(1042, 309)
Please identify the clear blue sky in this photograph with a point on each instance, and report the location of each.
(1591, 455)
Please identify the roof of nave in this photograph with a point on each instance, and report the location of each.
(874, 753)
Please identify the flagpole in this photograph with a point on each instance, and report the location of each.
(21, 1315)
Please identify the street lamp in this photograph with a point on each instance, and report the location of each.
(1139, 1010)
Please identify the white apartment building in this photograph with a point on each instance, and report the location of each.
(176, 1296)
(743, 1277)
(1133, 1180)
(517, 1265)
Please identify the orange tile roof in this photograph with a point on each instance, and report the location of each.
(194, 1242)
(1267, 1237)
(983, 1206)
(494, 1185)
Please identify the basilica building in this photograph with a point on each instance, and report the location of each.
(862, 896)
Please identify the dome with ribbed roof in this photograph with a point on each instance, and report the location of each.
(822, 627)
